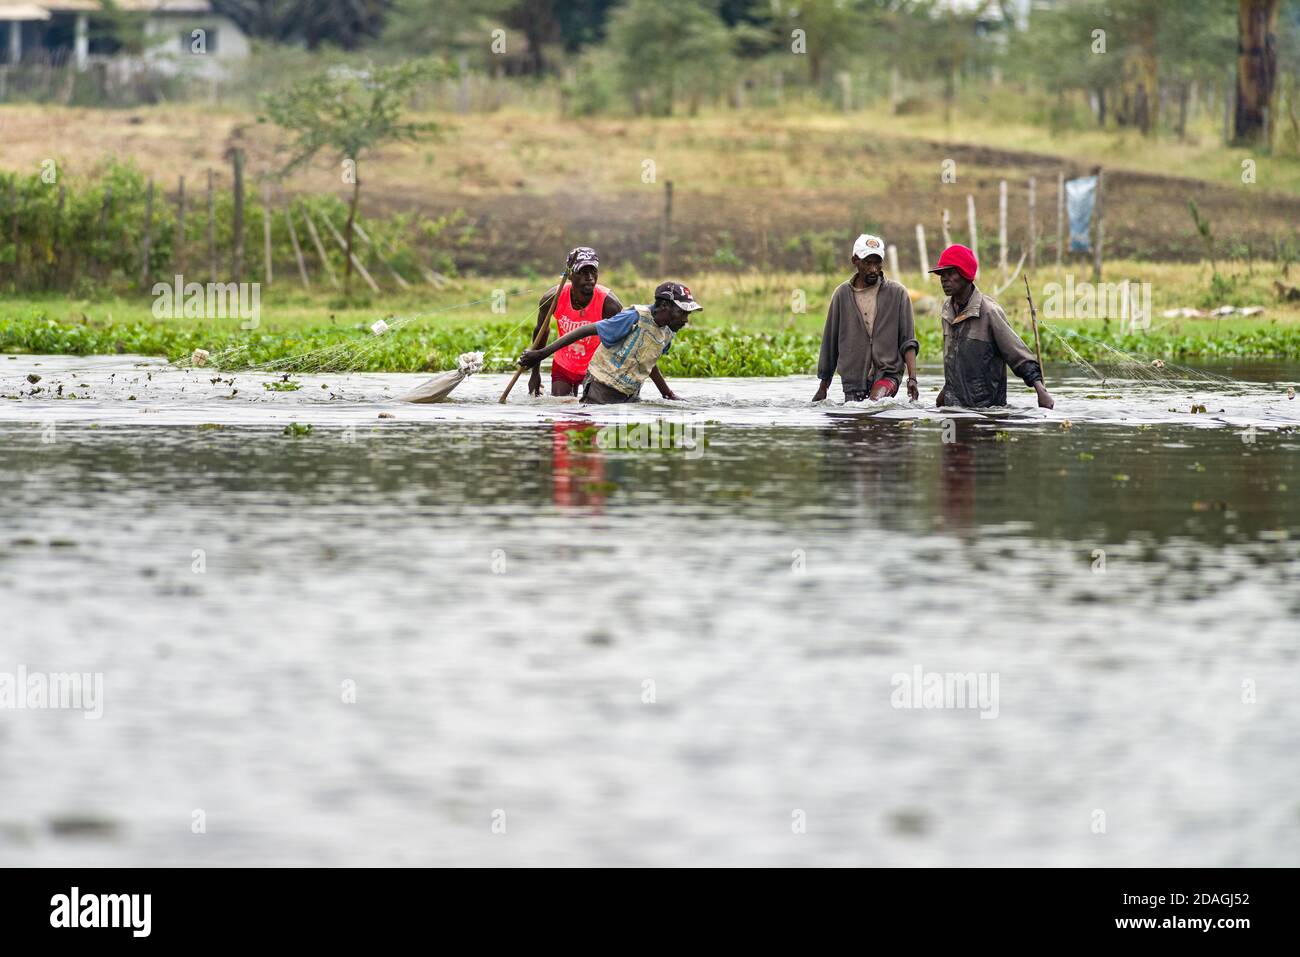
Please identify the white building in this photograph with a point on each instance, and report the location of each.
(167, 35)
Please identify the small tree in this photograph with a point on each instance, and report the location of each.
(348, 112)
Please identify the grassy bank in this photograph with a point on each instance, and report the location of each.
(753, 324)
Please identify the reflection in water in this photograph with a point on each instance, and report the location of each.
(577, 466)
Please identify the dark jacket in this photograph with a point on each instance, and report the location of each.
(863, 359)
(978, 345)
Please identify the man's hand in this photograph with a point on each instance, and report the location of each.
(821, 393)
(671, 396)
(1045, 401)
(938, 400)
(913, 392)
(532, 358)
(535, 381)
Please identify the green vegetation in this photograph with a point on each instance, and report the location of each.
(83, 234)
(349, 113)
(726, 346)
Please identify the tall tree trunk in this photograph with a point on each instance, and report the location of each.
(1256, 70)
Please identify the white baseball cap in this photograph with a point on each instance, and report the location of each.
(868, 245)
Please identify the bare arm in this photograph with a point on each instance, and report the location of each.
(908, 345)
(829, 357)
(661, 384)
(534, 356)
(543, 328)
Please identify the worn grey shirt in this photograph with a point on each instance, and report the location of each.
(861, 357)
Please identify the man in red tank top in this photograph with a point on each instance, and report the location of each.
(582, 301)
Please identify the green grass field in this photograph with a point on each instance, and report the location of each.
(753, 324)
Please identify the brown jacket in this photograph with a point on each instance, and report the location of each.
(978, 345)
(859, 358)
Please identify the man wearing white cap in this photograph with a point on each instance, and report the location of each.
(870, 336)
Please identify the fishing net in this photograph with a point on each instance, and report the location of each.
(440, 386)
(1112, 363)
(356, 354)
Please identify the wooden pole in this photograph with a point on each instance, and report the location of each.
(212, 229)
(1033, 224)
(947, 224)
(1060, 218)
(320, 247)
(893, 261)
(920, 249)
(1098, 213)
(970, 218)
(237, 226)
(356, 227)
(343, 244)
(266, 231)
(55, 239)
(1033, 319)
(1002, 229)
(103, 228)
(147, 239)
(666, 230)
(542, 332)
(178, 254)
(297, 249)
(13, 232)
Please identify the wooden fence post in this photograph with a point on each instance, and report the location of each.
(356, 260)
(147, 240)
(297, 249)
(1033, 224)
(237, 226)
(974, 232)
(266, 230)
(666, 230)
(921, 251)
(1002, 229)
(320, 247)
(178, 255)
(13, 232)
(1098, 213)
(212, 232)
(54, 234)
(1060, 218)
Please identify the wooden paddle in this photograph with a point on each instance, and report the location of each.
(1033, 319)
(542, 331)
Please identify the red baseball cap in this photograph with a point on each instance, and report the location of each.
(961, 258)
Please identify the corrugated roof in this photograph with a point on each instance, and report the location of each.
(94, 6)
(11, 12)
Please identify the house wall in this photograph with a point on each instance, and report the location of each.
(170, 42)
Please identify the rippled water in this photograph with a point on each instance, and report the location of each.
(505, 600)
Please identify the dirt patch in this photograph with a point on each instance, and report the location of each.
(530, 191)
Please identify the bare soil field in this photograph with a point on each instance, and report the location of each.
(754, 190)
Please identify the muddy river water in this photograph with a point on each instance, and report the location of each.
(480, 634)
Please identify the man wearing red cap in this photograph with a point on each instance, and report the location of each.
(978, 342)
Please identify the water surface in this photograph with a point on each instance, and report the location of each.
(506, 600)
